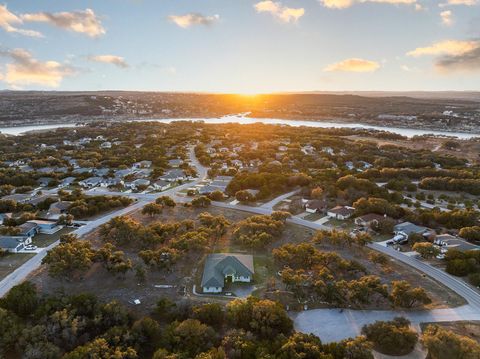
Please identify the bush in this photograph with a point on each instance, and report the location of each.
(391, 338)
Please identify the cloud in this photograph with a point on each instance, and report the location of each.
(9, 22)
(459, 2)
(446, 17)
(452, 55)
(84, 22)
(187, 20)
(467, 61)
(353, 65)
(26, 70)
(282, 13)
(447, 47)
(110, 59)
(343, 4)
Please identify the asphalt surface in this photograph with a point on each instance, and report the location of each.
(328, 324)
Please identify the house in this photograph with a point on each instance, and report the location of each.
(174, 175)
(68, 181)
(369, 220)
(221, 268)
(177, 162)
(161, 185)
(18, 197)
(315, 206)
(34, 201)
(207, 189)
(407, 228)
(91, 182)
(58, 208)
(142, 164)
(4, 216)
(101, 172)
(124, 173)
(138, 183)
(82, 170)
(28, 229)
(42, 226)
(111, 182)
(447, 242)
(106, 144)
(44, 181)
(14, 244)
(341, 212)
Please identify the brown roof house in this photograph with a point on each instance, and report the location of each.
(367, 220)
(221, 268)
(315, 206)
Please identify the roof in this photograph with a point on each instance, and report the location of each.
(342, 210)
(27, 227)
(316, 204)
(457, 243)
(409, 228)
(370, 217)
(11, 242)
(40, 221)
(218, 265)
(61, 205)
(173, 174)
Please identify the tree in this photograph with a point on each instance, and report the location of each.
(201, 202)
(189, 337)
(10, 329)
(100, 348)
(470, 233)
(244, 196)
(70, 257)
(317, 193)
(114, 261)
(216, 196)
(403, 295)
(265, 318)
(444, 344)
(21, 300)
(391, 338)
(152, 209)
(211, 314)
(166, 201)
(426, 250)
(301, 345)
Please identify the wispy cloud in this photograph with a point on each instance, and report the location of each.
(459, 2)
(24, 69)
(353, 65)
(280, 12)
(10, 22)
(109, 59)
(446, 17)
(446, 47)
(84, 22)
(188, 20)
(343, 4)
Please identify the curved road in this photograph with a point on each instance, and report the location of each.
(329, 324)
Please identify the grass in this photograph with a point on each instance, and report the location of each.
(12, 261)
(44, 240)
(313, 217)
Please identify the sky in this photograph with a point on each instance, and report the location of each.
(240, 46)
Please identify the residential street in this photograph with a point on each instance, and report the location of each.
(328, 324)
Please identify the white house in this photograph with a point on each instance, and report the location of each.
(221, 268)
(341, 212)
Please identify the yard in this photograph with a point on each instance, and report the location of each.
(12, 261)
(44, 240)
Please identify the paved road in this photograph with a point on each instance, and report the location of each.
(275, 201)
(21, 273)
(329, 324)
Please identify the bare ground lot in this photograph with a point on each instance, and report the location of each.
(189, 269)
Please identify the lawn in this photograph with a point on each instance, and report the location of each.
(44, 240)
(12, 261)
(313, 217)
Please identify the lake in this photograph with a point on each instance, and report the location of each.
(408, 132)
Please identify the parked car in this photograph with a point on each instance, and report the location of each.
(30, 247)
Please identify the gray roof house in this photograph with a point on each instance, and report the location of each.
(14, 244)
(174, 175)
(407, 228)
(226, 267)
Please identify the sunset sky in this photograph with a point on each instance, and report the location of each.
(240, 46)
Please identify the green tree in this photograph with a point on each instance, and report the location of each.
(403, 295)
(426, 250)
(444, 344)
(21, 300)
(152, 209)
